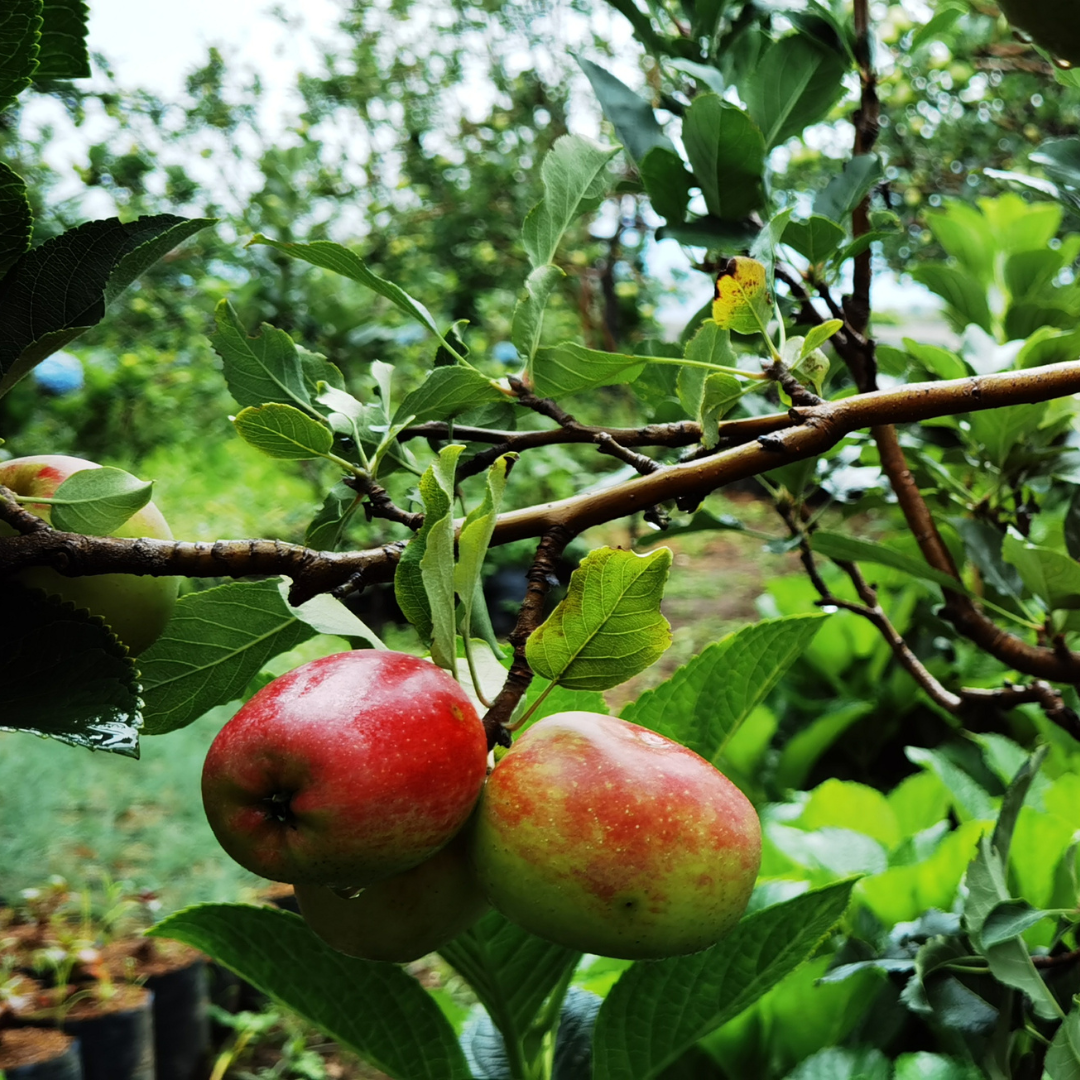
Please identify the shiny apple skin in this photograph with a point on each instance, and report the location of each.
(609, 838)
(346, 770)
(136, 607)
(400, 918)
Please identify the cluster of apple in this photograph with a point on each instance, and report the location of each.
(362, 779)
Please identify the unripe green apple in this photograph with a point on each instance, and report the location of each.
(1053, 24)
(403, 917)
(136, 607)
(346, 770)
(609, 838)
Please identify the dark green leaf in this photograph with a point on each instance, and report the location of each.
(727, 154)
(65, 675)
(96, 502)
(446, 392)
(997, 431)
(328, 525)
(962, 292)
(705, 701)
(437, 562)
(815, 239)
(971, 800)
(54, 292)
(983, 543)
(667, 183)
(795, 84)
(20, 31)
(1009, 919)
(217, 641)
(1050, 575)
(280, 431)
(510, 971)
(16, 220)
(570, 368)
(840, 1063)
(844, 192)
(709, 231)
(377, 1010)
(632, 117)
(1072, 525)
(658, 1009)
(1063, 1058)
(63, 41)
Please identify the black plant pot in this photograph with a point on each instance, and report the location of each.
(117, 1044)
(39, 1054)
(181, 1022)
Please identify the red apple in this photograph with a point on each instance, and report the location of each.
(346, 771)
(136, 607)
(403, 917)
(609, 838)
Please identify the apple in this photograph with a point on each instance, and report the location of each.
(136, 607)
(403, 917)
(346, 770)
(609, 838)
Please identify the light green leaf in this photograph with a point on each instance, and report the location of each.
(281, 431)
(609, 625)
(568, 369)
(510, 971)
(16, 220)
(667, 183)
(966, 235)
(844, 548)
(703, 704)
(842, 1063)
(216, 642)
(657, 1010)
(997, 431)
(65, 675)
(940, 362)
(1063, 1058)
(20, 44)
(1009, 919)
(574, 176)
(707, 397)
(259, 370)
(970, 799)
(55, 291)
(437, 562)
(377, 1010)
(719, 395)
(795, 84)
(327, 615)
(963, 293)
(1050, 575)
(815, 239)
(474, 538)
(529, 311)
(727, 154)
(446, 392)
(96, 502)
(340, 260)
(819, 335)
(632, 117)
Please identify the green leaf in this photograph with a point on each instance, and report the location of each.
(720, 393)
(64, 54)
(65, 674)
(474, 538)
(16, 220)
(795, 84)
(569, 368)
(96, 502)
(818, 335)
(963, 293)
(261, 370)
(55, 291)
(328, 526)
(658, 1009)
(727, 154)
(923, 1065)
(20, 33)
(708, 397)
(938, 361)
(844, 192)
(437, 562)
(609, 626)
(1009, 919)
(841, 1063)
(340, 260)
(741, 301)
(1048, 574)
(281, 431)
(801, 752)
(965, 234)
(510, 971)
(632, 117)
(327, 615)
(844, 548)
(703, 703)
(446, 392)
(971, 800)
(575, 176)
(667, 183)
(377, 1010)
(216, 642)
(529, 310)
(815, 239)
(997, 431)
(1063, 1058)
